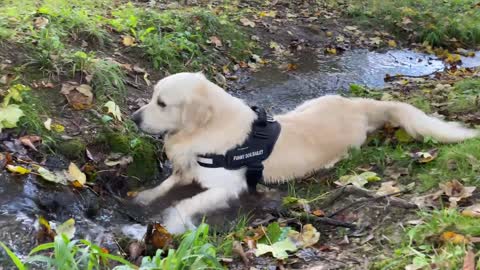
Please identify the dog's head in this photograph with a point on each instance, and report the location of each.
(179, 103)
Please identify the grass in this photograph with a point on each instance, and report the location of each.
(195, 251)
(440, 23)
(433, 242)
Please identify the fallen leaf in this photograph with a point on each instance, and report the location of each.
(359, 180)
(40, 22)
(387, 188)
(29, 141)
(454, 238)
(45, 234)
(113, 109)
(135, 250)
(453, 59)
(132, 194)
(425, 157)
(160, 238)
(58, 128)
(215, 41)
(74, 174)
(128, 41)
(56, 176)
(318, 213)
(115, 159)
(309, 236)
(456, 191)
(331, 51)
(67, 228)
(48, 124)
(274, 233)
(472, 211)
(78, 96)
(392, 43)
(278, 249)
(247, 22)
(469, 261)
(9, 116)
(18, 169)
(376, 40)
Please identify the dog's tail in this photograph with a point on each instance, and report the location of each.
(414, 121)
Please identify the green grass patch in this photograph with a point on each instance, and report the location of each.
(427, 244)
(440, 23)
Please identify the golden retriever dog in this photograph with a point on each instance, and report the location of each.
(198, 117)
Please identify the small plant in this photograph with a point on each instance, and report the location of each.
(194, 252)
(108, 81)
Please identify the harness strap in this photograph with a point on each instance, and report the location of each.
(256, 148)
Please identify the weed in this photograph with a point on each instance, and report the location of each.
(108, 81)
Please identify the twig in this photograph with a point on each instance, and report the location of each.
(372, 197)
(323, 220)
(393, 77)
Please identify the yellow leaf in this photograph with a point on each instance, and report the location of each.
(58, 128)
(17, 169)
(67, 228)
(454, 238)
(453, 59)
(329, 34)
(128, 41)
(43, 222)
(309, 236)
(132, 194)
(392, 43)
(331, 51)
(74, 174)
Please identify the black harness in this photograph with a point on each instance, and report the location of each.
(256, 148)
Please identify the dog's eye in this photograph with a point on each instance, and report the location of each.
(161, 103)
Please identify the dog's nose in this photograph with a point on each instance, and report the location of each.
(136, 117)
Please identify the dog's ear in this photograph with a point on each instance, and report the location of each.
(197, 112)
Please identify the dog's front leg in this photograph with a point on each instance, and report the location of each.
(147, 196)
(177, 219)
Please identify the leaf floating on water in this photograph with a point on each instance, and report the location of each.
(18, 169)
(278, 249)
(67, 228)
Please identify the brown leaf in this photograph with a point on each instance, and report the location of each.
(215, 41)
(318, 213)
(79, 96)
(387, 188)
(158, 236)
(247, 22)
(456, 191)
(469, 261)
(29, 141)
(40, 22)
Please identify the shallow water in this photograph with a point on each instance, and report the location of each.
(23, 199)
(318, 75)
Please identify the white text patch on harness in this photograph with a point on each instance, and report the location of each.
(248, 155)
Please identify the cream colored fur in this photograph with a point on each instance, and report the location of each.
(200, 118)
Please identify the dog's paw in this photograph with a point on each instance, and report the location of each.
(145, 197)
(175, 222)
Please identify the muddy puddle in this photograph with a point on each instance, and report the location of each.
(318, 75)
(103, 219)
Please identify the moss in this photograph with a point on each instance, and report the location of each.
(72, 149)
(142, 150)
